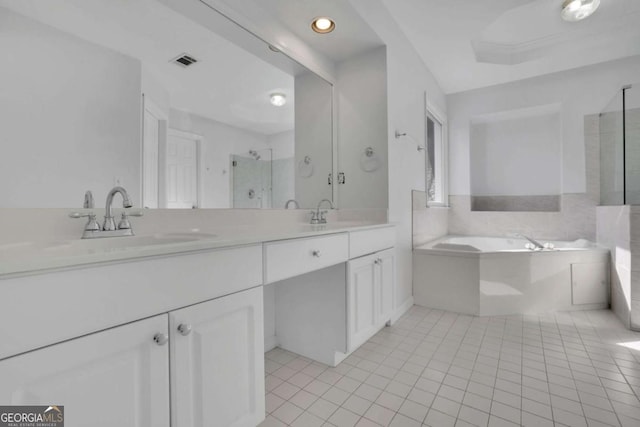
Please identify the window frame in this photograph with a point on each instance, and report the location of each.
(437, 116)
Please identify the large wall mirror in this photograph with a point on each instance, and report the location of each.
(129, 92)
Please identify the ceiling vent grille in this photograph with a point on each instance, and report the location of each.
(184, 60)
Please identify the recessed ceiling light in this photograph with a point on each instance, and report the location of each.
(278, 99)
(323, 25)
(577, 10)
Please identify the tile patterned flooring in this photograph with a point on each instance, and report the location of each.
(436, 368)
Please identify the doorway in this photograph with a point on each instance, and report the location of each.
(182, 170)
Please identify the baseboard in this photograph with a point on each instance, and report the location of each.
(270, 343)
(402, 309)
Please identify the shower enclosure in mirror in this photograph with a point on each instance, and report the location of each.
(133, 93)
(252, 180)
(620, 148)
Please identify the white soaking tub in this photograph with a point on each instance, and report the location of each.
(497, 276)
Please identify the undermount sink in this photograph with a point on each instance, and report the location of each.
(84, 246)
(127, 242)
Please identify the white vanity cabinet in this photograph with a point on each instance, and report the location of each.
(217, 362)
(118, 377)
(213, 350)
(93, 348)
(370, 295)
(177, 339)
(333, 303)
(361, 302)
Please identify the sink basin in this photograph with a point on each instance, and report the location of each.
(57, 248)
(191, 235)
(122, 243)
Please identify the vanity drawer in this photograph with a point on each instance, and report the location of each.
(370, 241)
(289, 258)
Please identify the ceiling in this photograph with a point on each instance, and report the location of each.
(351, 36)
(468, 44)
(222, 86)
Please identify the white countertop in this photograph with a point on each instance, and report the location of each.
(24, 258)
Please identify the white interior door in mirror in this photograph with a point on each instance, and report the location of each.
(182, 180)
(154, 128)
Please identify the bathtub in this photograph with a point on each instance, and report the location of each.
(487, 276)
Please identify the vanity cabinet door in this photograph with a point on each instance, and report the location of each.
(361, 300)
(370, 292)
(217, 362)
(118, 377)
(386, 279)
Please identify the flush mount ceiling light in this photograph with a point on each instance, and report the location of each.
(278, 99)
(577, 10)
(323, 25)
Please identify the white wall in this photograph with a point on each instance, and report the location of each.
(71, 117)
(407, 80)
(313, 138)
(580, 92)
(282, 144)
(155, 92)
(516, 156)
(362, 123)
(218, 143)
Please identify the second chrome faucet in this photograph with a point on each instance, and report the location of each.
(318, 216)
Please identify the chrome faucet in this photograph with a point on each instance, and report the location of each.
(109, 224)
(295, 203)
(319, 217)
(534, 242)
(93, 230)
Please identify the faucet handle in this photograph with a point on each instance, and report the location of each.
(92, 223)
(323, 217)
(124, 223)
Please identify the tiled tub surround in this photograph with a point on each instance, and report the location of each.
(614, 233)
(497, 276)
(576, 220)
(428, 223)
(516, 203)
(619, 230)
(439, 369)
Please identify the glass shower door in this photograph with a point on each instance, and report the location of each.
(252, 179)
(620, 149)
(631, 100)
(612, 153)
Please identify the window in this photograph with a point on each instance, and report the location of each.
(436, 159)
